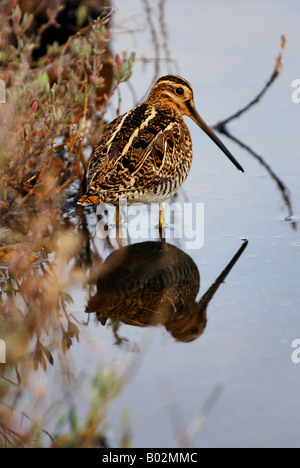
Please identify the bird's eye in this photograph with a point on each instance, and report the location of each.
(179, 91)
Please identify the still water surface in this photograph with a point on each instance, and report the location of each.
(227, 52)
(238, 288)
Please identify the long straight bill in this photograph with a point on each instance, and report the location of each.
(200, 122)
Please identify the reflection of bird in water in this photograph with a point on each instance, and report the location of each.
(144, 284)
(145, 155)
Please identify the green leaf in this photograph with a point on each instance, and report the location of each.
(44, 81)
(81, 15)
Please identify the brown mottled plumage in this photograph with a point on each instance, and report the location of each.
(145, 155)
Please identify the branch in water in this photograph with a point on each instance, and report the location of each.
(278, 65)
(222, 128)
(285, 193)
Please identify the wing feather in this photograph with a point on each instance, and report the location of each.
(135, 151)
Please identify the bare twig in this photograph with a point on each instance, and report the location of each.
(285, 193)
(155, 40)
(176, 416)
(278, 65)
(157, 44)
(164, 33)
(222, 128)
(199, 419)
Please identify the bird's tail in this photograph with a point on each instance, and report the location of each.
(88, 199)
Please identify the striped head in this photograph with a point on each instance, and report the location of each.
(174, 93)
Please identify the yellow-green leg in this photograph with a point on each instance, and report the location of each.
(162, 225)
(118, 223)
(117, 217)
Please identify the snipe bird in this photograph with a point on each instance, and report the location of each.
(145, 154)
(143, 284)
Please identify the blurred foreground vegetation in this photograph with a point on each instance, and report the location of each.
(56, 97)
